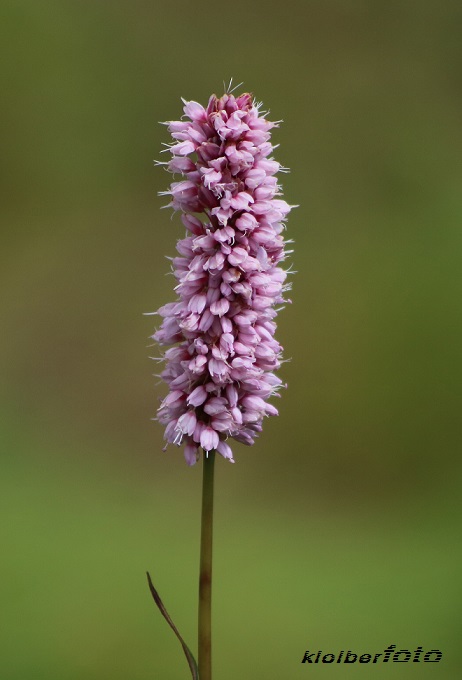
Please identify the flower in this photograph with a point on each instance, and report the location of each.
(221, 368)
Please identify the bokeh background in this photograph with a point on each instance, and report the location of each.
(340, 528)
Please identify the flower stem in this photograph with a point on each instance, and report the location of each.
(205, 575)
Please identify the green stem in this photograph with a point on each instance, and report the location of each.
(205, 575)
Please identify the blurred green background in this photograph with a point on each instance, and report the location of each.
(340, 528)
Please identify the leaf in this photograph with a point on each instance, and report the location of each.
(188, 654)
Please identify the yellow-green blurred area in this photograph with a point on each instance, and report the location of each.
(340, 528)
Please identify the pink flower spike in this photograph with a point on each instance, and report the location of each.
(220, 370)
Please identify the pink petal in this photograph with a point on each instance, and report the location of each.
(209, 439)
